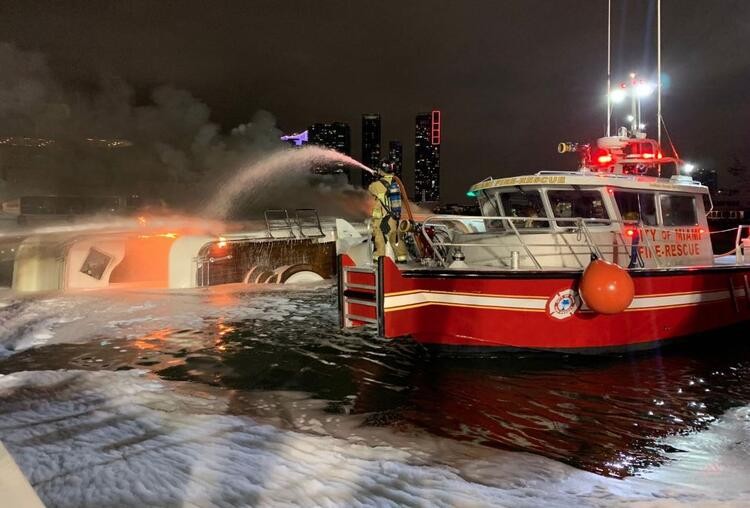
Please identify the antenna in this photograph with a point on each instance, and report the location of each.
(609, 65)
(658, 72)
(658, 81)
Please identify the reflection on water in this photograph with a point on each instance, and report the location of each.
(603, 414)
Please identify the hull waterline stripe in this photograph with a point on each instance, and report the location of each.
(417, 299)
(462, 305)
(431, 291)
(428, 297)
(645, 302)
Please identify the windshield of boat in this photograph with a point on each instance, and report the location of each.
(569, 204)
(526, 204)
(488, 205)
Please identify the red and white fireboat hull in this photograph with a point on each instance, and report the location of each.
(541, 310)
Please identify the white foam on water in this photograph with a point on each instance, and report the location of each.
(714, 462)
(37, 320)
(124, 439)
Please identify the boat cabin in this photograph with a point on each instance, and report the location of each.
(559, 219)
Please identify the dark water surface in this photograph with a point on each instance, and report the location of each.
(603, 414)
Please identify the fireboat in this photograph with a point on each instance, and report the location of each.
(607, 257)
(616, 255)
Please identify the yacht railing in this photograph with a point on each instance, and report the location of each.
(602, 238)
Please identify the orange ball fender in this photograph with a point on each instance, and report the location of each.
(606, 287)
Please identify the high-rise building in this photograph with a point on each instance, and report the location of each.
(336, 136)
(370, 145)
(396, 157)
(427, 157)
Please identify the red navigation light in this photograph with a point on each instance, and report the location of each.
(601, 157)
(604, 159)
(630, 231)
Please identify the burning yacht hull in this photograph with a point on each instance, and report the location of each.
(280, 250)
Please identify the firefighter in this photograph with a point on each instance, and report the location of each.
(386, 213)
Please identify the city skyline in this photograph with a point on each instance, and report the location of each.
(507, 114)
(425, 164)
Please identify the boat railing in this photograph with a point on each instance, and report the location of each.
(741, 249)
(742, 243)
(304, 224)
(528, 238)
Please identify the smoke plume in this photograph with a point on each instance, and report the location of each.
(54, 139)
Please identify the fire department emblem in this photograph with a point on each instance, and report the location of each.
(564, 304)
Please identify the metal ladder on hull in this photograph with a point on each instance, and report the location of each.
(359, 296)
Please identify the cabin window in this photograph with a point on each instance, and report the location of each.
(524, 204)
(636, 207)
(678, 210)
(95, 264)
(571, 204)
(487, 205)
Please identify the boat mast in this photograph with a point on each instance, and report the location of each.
(609, 66)
(658, 71)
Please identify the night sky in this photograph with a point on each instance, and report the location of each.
(513, 78)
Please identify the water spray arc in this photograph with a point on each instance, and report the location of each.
(255, 178)
(290, 163)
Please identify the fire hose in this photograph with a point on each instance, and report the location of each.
(409, 225)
